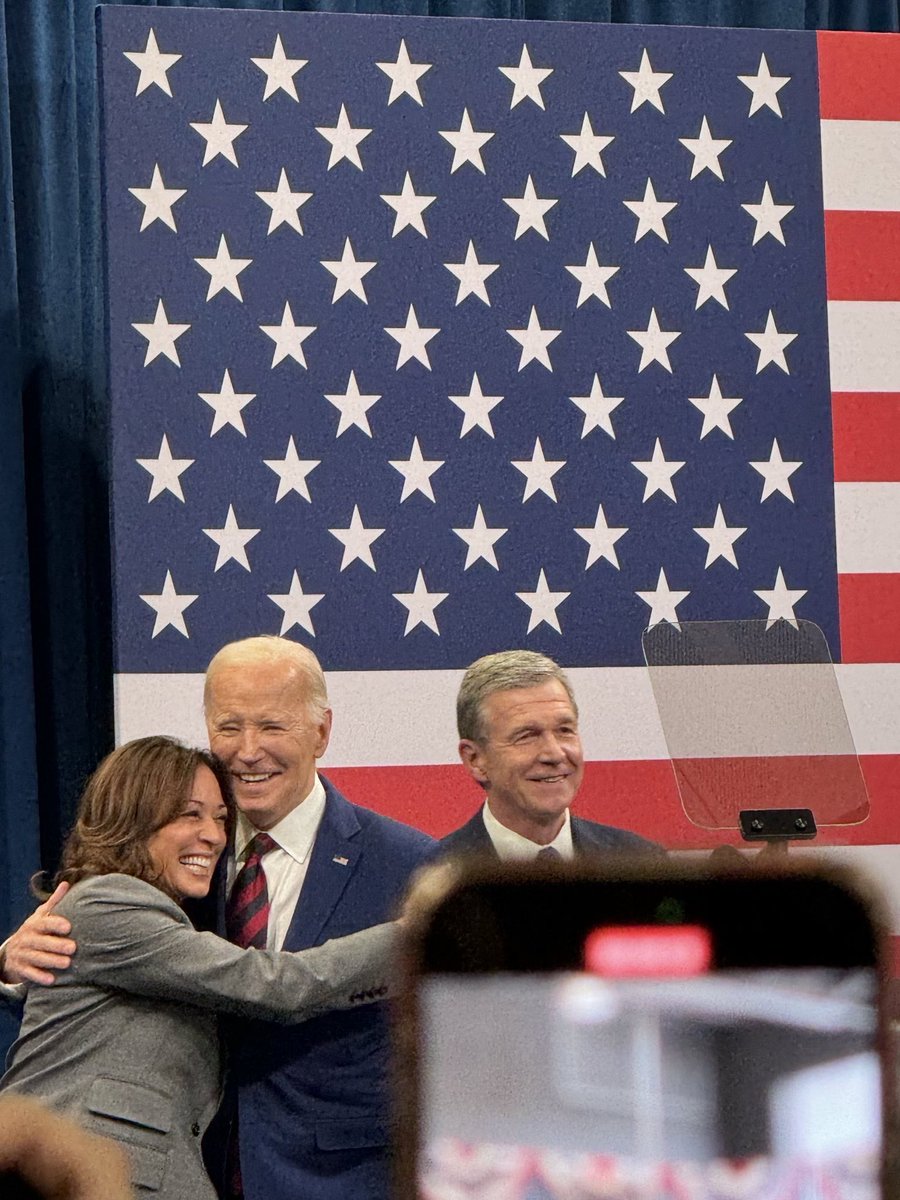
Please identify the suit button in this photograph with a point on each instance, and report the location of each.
(195, 1129)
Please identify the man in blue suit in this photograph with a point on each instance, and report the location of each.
(311, 1100)
(518, 727)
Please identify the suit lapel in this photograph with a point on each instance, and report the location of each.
(332, 863)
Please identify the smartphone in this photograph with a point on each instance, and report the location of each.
(632, 1032)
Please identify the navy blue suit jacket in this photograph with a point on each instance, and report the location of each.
(588, 837)
(312, 1098)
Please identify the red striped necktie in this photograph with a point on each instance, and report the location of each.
(247, 911)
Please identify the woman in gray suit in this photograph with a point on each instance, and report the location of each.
(126, 1040)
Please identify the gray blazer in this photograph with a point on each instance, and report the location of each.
(126, 1041)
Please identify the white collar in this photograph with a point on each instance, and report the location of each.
(294, 833)
(512, 845)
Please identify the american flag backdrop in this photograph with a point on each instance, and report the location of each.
(430, 337)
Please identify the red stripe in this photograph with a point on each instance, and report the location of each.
(866, 437)
(641, 796)
(859, 76)
(862, 255)
(870, 618)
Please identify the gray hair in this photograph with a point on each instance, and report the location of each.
(267, 648)
(500, 673)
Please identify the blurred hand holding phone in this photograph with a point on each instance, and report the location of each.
(638, 1031)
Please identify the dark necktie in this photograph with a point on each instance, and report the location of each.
(247, 911)
(247, 924)
(548, 854)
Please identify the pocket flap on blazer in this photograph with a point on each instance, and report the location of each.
(132, 1102)
(350, 1133)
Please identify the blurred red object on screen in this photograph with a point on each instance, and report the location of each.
(624, 951)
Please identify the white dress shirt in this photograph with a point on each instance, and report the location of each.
(512, 847)
(285, 867)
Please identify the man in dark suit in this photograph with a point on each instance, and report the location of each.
(518, 728)
(311, 1100)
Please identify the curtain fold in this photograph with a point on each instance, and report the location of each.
(55, 602)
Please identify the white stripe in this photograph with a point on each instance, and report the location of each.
(406, 718)
(861, 165)
(864, 345)
(867, 527)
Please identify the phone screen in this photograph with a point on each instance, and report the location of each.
(710, 1081)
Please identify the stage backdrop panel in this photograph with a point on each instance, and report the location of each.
(430, 337)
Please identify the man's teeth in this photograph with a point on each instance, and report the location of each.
(254, 778)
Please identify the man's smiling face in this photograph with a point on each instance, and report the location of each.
(262, 727)
(530, 759)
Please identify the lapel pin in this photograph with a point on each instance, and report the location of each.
(340, 860)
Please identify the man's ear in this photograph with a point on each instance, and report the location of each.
(472, 759)
(323, 729)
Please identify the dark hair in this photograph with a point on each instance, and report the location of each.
(137, 789)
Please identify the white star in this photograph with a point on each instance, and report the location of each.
(296, 607)
(161, 335)
(659, 472)
(480, 541)
(654, 343)
(646, 83)
(768, 216)
(710, 280)
(409, 208)
(344, 140)
(476, 408)
(530, 210)
(776, 473)
(353, 406)
(223, 271)
(227, 405)
(720, 539)
(219, 136)
(538, 472)
(781, 600)
(284, 204)
(404, 75)
(597, 409)
(771, 345)
(764, 87)
(526, 80)
(169, 608)
(472, 276)
(357, 541)
(716, 409)
(279, 71)
(593, 278)
(601, 539)
(534, 341)
(157, 200)
(166, 471)
(651, 213)
(587, 146)
(420, 605)
(288, 338)
(417, 472)
(232, 541)
(543, 604)
(348, 272)
(413, 339)
(153, 66)
(663, 601)
(292, 472)
(466, 143)
(706, 150)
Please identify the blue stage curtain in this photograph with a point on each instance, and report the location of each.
(55, 604)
